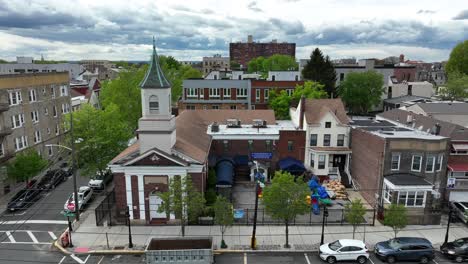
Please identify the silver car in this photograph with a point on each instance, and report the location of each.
(84, 195)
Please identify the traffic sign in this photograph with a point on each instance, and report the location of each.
(67, 213)
(71, 207)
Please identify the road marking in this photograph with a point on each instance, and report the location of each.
(35, 222)
(27, 243)
(12, 239)
(370, 259)
(245, 258)
(52, 235)
(33, 238)
(435, 261)
(102, 258)
(64, 257)
(77, 259)
(307, 258)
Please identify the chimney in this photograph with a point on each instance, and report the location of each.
(437, 129)
(402, 58)
(409, 119)
(301, 107)
(249, 39)
(214, 127)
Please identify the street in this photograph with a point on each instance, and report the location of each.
(26, 236)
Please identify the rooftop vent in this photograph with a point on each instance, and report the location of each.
(214, 127)
(233, 123)
(409, 119)
(259, 123)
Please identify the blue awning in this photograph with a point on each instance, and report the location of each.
(224, 173)
(292, 165)
(241, 160)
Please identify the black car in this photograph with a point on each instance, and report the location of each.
(51, 179)
(405, 249)
(456, 250)
(23, 199)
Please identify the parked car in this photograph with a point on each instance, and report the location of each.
(23, 199)
(344, 249)
(461, 210)
(101, 181)
(51, 179)
(84, 195)
(456, 250)
(405, 249)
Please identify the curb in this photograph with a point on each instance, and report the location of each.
(57, 245)
(226, 251)
(115, 252)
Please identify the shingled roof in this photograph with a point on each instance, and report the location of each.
(154, 77)
(315, 110)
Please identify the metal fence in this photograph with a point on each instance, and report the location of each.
(104, 210)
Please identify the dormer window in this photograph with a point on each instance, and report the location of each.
(153, 104)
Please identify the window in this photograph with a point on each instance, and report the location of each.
(296, 78)
(17, 120)
(250, 142)
(326, 139)
(321, 162)
(341, 77)
(273, 77)
(154, 104)
(202, 93)
(65, 108)
(395, 161)
(46, 111)
(2, 151)
(313, 140)
(257, 95)
(52, 91)
(37, 136)
(252, 107)
(268, 145)
(410, 89)
(216, 107)
(266, 94)
(214, 92)
(57, 129)
(226, 145)
(312, 160)
(241, 92)
(439, 161)
(290, 145)
(63, 90)
(388, 193)
(32, 95)
(21, 143)
(14, 98)
(192, 92)
(389, 92)
(289, 92)
(233, 107)
(50, 150)
(340, 140)
(54, 111)
(190, 107)
(411, 198)
(35, 116)
(430, 161)
(327, 124)
(416, 163)
(226, 93)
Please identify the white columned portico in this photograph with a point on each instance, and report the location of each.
(128, 188)
(141, 196)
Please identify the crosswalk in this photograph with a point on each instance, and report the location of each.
(27, 237)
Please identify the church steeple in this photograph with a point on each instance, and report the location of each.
(154, 77)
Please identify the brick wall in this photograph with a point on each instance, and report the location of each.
(244, 52)
(135, 200)
(120, 191)
(209, 105)
(297, 137)
(152, 187)
(407, 74)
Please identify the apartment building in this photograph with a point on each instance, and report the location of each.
(31, 115)
(215, 63)
(27, 65)
(101, 67)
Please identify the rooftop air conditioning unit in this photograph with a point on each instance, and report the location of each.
(214, 127)
(259, 123)
(233, 123)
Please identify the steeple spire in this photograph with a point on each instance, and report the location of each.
(154, 77)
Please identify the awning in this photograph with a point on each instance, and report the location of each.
(460, 147)
(292, 165)
(458, 167)
(224, 173)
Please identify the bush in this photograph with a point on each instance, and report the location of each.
(211, 181)
(209, 211)
(210, 196)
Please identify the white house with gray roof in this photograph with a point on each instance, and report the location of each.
(453, 112)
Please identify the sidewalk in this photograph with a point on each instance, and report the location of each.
(88, 237)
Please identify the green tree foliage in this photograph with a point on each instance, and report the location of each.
(285, 198)
(235, 65)
(354, 213)
(3, 61)
(124, 92)
(123, 64)
(183, 200)
(276, 62)
(456, 87)
(395, 217)
(361, 91)
(48, 62)
(26, 165)
(458, 61)
(320, 69)
(102, 135)
(224, 216)
(280, 102)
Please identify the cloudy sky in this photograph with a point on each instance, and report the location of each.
(190, 29)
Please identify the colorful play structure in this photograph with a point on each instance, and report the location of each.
(319, 195)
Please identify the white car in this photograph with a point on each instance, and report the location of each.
(344, 249)
(84, 195)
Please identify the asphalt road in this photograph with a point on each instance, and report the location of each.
(26, 236)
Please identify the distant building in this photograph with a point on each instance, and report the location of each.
(215, 63)
(31, 115)
(453, 112)
(403, 101)
(284, 76)
(27, 65)
(101, 67)
(197, 65)
(242, 53)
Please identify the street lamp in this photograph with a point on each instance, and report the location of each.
(253, 242)
(127, 214)
(450, 214)
(325, 215)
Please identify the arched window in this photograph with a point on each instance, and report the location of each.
(153, 104)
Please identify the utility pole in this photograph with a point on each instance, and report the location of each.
(448, 225)
(325, 215)
(75, 169)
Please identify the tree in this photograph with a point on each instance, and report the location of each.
(456, 87)
(395, 217)
(26, 165)
(275, 62)
(285, 198)
(354, 213)
(458, 60)
(182, 200)
(224, 216)
(280, 102)
(102, 135)
(320, 69)
(361, 91)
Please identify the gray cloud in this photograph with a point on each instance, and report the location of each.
(462, 15)
(253, 6)
(426, 11)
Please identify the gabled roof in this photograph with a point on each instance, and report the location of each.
(154, 77)
(316, 109)
(444, 108)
